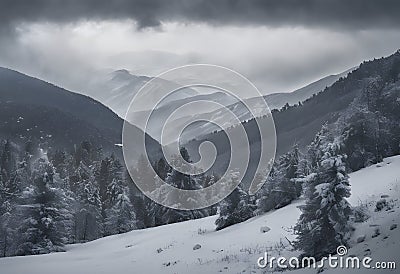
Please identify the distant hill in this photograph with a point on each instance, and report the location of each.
(278, 100)
(275, 101)
(117, 89)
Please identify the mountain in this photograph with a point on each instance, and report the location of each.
(162, 113)
(275, 101)
(278, 100)
(377, 79)
(31, 109)
(117, 89)
(196, 247)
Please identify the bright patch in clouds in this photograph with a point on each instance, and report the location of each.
(274, 58)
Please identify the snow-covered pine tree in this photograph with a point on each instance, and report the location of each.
(11, 187)
(206, 181)
(43, 227)
(294, 169)
(324, 222)
(119, 213)
(121, 216)
(7, 161)
(284, 190)
(235, 208)
(5, 205)
(88, 218)
(144, 216)
(104, 179)
(6, 230)
(265, 200)
(144, 174)
(281, 186)
(6, 199)
(162, 168)
(315, 149)
(117, 185)
(182, 181)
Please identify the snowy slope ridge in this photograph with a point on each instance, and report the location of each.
(170, 248)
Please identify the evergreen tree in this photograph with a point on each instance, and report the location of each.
(207, 181)
(143, 173)
(43, 227)
(282, 186)
(141, 204)
(235, 208)
(6, 229)
(121, 216)
(104, 180)
(265, 196)
(162, 168)
(285, 189)
(119, 212)
(14, 178)
(88, 217)
(179, 180)
(7, 163)
(324, 222)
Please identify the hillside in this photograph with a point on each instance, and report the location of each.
(376, 80)
(275, 101)
(169, 248)
(278, 100)
(117, 89)
(34, 110)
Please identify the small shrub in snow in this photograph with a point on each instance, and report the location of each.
(361, 239)
(381, 204)
(376, 233)
(264, 229)
(393, 226)
(196, 246)
(361, 213)
(367, 252)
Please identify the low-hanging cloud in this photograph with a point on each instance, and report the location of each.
(279, 45)
(354, 14)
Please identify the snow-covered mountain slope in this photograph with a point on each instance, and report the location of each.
(172, 248)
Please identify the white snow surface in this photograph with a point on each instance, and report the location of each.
(169, 248)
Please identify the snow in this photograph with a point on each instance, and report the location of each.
(170, 248)
(377, 180)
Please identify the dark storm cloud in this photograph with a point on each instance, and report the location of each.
(355, 14)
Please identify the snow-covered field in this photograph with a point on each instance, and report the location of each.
(170, 248)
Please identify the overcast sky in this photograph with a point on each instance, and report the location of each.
(279, 45)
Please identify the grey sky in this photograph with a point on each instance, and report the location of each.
(280, 45)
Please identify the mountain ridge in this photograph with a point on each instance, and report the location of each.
(60, 117)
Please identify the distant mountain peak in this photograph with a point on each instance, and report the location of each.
(122, 71)
(123, 75)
